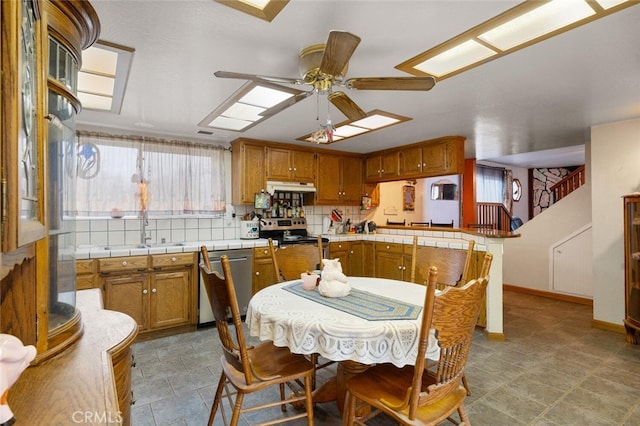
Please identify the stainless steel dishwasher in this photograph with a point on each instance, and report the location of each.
(241, 269)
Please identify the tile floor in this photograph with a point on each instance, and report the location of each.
(552, 369)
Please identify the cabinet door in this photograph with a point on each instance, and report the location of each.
(279, 164)
(169, 298)
(372, 168)
(368, 259)
(128, 294)
(411, 162)
(263, 272)
(328, 181)
(21, 136)
(356, 260)
(632, 267)
(351, 180)
(248, 172)
(435, 159)
(304, 166)
(389, 265)
(340, 250)
(390, 165)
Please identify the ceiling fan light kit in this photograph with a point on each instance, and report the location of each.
(323, 67)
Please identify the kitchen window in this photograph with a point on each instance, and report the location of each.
(178, 177)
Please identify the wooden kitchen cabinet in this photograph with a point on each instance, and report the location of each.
(391, 261)
(157, 291)
(248, 171)
(381, 167)
(340, 181)
(340, 250)
(263, 272)
(632, 267)
(86, 274)
(290, 165)
(362, 258)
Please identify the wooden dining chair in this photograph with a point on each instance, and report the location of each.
(251, 369)
(414, 256)
(314, 358)
(466, 270)
(417, 395)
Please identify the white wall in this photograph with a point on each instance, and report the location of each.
(615, 171)
(526, 259)
(391, 201)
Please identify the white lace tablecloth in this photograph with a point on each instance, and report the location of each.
(308, 327)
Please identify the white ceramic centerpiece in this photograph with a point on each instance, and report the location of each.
(333, 282)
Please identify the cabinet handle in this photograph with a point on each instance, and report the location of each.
(382, 170)
(351, 252)
(388, 247)
(153, 290)
(424, 164)
(145, 291)
(124, 263)
(404, 268)
(294, 169)
(400, 267)
(266, 251)
(257, 273)
(173, 259)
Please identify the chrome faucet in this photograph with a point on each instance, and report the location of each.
(144, 222)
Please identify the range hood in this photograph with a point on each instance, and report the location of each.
(274, 186)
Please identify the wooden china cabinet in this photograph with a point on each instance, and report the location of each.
(632, 266)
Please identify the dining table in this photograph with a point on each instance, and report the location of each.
(379, 321)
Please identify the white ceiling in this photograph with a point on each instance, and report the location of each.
(541, 99)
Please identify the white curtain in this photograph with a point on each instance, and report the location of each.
(490, 184)
(181, 177)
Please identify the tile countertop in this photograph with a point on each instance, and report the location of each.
(433, 239)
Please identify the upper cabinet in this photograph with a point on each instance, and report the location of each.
(248, 169)
(290, 165)
(436, 157)
(340, 181)
(381, 167)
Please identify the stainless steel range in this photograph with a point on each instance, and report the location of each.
(288, 231)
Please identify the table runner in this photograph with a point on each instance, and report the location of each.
(363, 304)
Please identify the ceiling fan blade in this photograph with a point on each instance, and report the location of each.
(255, 77)
(391, 83)
(349, 108)
(337, 52)
(286, 104)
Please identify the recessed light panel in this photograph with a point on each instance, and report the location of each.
(460, 56)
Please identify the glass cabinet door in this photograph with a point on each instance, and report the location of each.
(632, 266)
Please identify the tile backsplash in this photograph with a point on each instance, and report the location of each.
(127, 230)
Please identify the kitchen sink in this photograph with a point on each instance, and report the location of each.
(140, 246)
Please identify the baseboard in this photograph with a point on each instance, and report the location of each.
(549, 294)
(603, 325)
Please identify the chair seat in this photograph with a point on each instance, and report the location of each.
(272, 363)
(389, 383)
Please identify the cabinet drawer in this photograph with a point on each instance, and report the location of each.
(167, 260)
(84, 282)
(261, 253)
(85, 266)
(390, 248)
(119, 264)
(338, 246)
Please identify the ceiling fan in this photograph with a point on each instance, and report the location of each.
(324, 66)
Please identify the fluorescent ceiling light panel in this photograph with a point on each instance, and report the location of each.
(230, 123)
(256, 3)
(347, 131)
(91, 101)
(265, 97)
(608, 4)
(521, 26)
(97, 84)
(460, 56)
(104, 72)
(263, 9)
(244, 107)
(376, 121)
(540, 21)
(243, 112)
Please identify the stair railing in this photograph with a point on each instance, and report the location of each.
(493, 216)
(568, 184)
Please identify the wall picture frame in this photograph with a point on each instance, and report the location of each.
(408, 198)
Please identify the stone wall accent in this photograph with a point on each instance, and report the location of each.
(543, 180)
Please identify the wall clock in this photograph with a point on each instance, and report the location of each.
(517, 190)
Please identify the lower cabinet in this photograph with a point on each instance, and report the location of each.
(157, 291)
(86, 276)
(263, 272)
(340, 250)
(393, 261)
